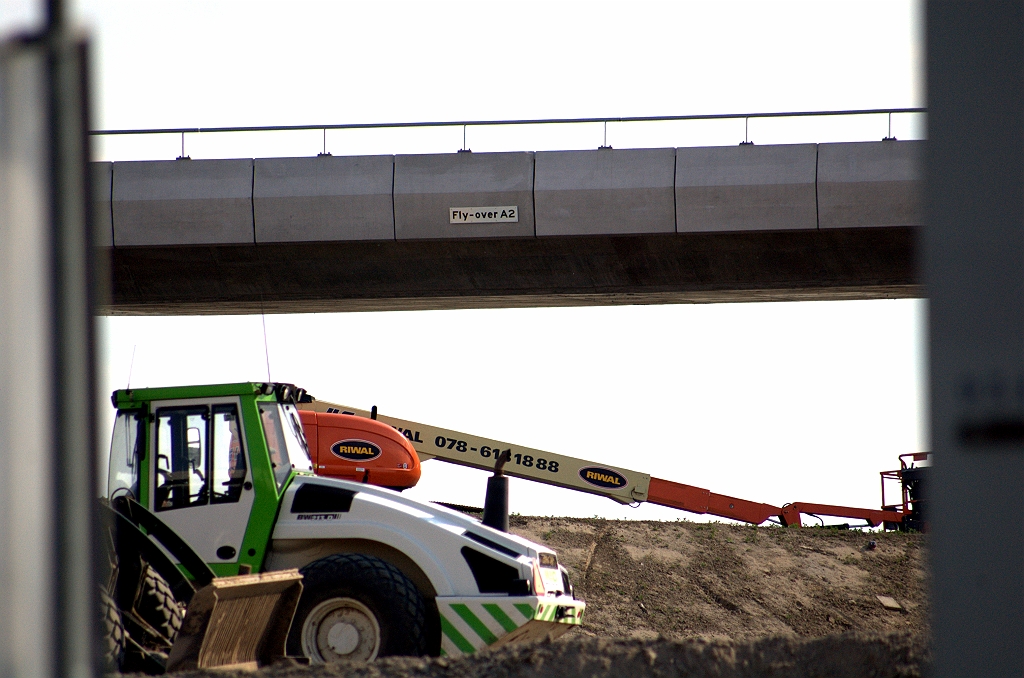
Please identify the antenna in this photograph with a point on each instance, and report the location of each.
(131, 367)
(266, 350)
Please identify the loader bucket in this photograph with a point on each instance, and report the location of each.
(237, 622)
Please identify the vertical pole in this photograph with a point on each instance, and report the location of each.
(48, 438)
(74, 405)
(974, 271)
(27, 536)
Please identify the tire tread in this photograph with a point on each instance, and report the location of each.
(158, 607)
(113, 633)
(377, 582)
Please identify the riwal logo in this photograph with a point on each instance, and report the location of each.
(602, 477)
(355, 450)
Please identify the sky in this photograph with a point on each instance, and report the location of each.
(773, 402)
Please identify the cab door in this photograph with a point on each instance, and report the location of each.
(200, 483)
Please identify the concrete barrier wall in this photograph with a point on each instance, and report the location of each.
(182, 202)
(554, 193)
(429, 187)
(605, 191)
(871, 184)
(323, 198)
(746, 188)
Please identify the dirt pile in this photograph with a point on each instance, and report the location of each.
(847, 656)
(681, 580)
(692, 599)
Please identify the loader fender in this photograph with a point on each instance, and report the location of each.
(432, 537)
(286, 554)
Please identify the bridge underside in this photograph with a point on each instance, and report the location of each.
(592, 270)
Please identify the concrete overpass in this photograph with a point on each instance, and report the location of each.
(462, 230)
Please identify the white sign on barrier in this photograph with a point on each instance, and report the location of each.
(483, 215)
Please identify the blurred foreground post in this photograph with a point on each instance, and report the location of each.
(974, 274)
(48, 623)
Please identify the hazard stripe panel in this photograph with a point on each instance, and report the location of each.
(500, 616)
(469, 624)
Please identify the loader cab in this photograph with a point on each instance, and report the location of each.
(206, 461)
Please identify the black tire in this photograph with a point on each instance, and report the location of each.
(157, 606)
(352, 592)
(113, 633)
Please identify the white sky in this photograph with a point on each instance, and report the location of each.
(769, 402)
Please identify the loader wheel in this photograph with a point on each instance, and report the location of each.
(156, 605)
(357, 607)
(113, 633)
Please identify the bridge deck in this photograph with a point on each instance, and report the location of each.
(747, 223)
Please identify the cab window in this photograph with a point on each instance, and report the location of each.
(295, 438)
(273, 429)
(123, 477)
(182, 437)
(228, 467)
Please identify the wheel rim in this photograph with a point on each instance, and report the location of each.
(340, 628)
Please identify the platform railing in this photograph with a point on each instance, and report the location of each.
(467, 124)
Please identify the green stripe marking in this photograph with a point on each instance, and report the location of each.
(525, 610)
(500, 616)
(456, 637)
(474, 623)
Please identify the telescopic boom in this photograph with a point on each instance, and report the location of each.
(620, 484)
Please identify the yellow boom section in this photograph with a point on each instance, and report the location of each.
(432, 442)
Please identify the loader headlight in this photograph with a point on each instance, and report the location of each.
(547, 575)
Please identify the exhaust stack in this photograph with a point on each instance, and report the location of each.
(496, 500)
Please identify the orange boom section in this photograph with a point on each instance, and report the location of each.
(874, 518)
(699, 500)
(356, 448)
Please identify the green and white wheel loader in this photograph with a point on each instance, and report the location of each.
(227, 468)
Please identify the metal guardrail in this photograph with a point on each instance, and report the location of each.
(497, 123)
(487, 123)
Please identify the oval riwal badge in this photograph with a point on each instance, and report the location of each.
(355, 450)
(602, 477)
